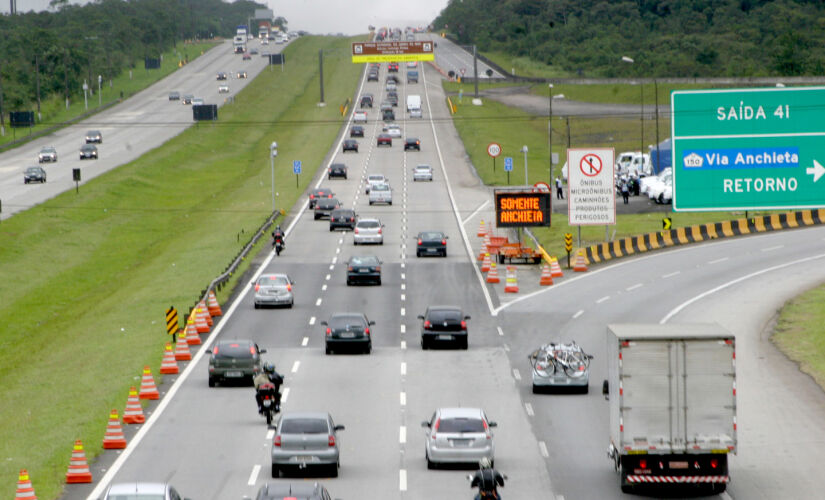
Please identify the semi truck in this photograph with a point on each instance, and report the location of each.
(671, 389)
(263, 29)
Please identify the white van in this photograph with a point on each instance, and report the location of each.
(413, 102)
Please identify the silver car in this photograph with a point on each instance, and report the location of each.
(274, 290)
(458, 436)
(423, 173)
(381, 193)
(47, 154)
(557, 365)
(368, 231)
(305, 438)
(142, 491)
(374, 179)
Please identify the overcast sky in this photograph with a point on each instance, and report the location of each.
(324, 16)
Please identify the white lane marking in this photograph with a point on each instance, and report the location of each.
(543, 449)
(578, 313)
(312, 320)
(477, 210)
(284, 395)
(725, 496)
(516, 374)
(341, 241)
(606, 297)
(324, 288)
(403, 246)
(253, 477)
(318, 302)
(403, 286)
(631, 288)
(403, 311)
(402, 480)
(338, 250)
(702, 295)
(329, 276)
(402, 265)
(331, 267)
(500, 331)
(529, 409)
(670, 275)
(403, 344)
(403, 297)
(716, 261)
(506, 348)
(305, 342)
(334, 260)
(402, 435)
(270, 434)
(403, 368)
(295, 366)
(771, 249)
(403, 399)
(403, 276)
(403, 328)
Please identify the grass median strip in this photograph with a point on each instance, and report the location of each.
(88, 276)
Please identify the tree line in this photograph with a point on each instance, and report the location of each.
(63, 47)
(684, 38)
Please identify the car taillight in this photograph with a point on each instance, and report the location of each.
(435, 427)
(257, 287)
(463, 324)
(312, 197)
(427, 324)
(289, 288)
(443, 242)
(356, 230)
(367, 331)
(215, 350)
(420, 242)
(349, 268)
(417, 142)
(330, 195)
(352, 219)
(379, 230)
(377, 268)
(331, 440)
(276, 441)
(252, 351)
(329, 331)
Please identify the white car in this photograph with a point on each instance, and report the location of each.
(381, 193)
(223, 88)
(197, 101)
(368, 231)
(374, 180)
(657, 189)
(423, 173)
(391, 86)
(416, 113)
(458, 435)
(393, 130)
(412, 64)
(359, 117)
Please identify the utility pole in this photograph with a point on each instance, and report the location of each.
(656, 91)
(66, 76)
(321, 71)
(550, 130)
(37, 81)
(2, 111)
(475, 68)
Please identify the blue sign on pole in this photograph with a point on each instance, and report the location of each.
(508, 164)
(296, 167)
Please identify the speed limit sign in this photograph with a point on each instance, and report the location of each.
(493, 149)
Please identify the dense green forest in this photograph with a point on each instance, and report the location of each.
(73, 43)
(684, 38)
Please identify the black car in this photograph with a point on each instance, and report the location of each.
(325, 206)
(296, 491)
(431, 243)
(392, 78)
(94, 136)
(356, 131)
(443, 324)
(34, 174)
(237, 360)
(319, 193)
(222, 76)
(348, 330)
(363, 269)
(388, 115)
(366, 101)
(393, 100)
(351, 144)
(412, 143)
(372, 76)
(174, 95)
(88, 151)
(337, 170)
(342, 218)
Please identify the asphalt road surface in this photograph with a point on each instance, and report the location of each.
(130, 129)
(452, 57)
(211, 443)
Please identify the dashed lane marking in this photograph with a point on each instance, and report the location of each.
(295, 366)
(516, 374)
(403, 311)
(403, 344)
(529, 409)
(402, 480)
(324, 288)
(771, 249)
(284, 395)
(670, 275)
(312, 321)
(318, 302)
(403, 328)
(402, 435)
(500, 331)
(403, 368)
(543, 449)
(403, 297)
(253, 477)
(716, 261)
(403, 399)
(606, 297)
(305, 342)
(631, 288)
(578, 313)
(329, 276)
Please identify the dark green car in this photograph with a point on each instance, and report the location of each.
(236, 360)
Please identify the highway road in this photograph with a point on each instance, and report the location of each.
(451, 57)
(211, 444)
(130, 128)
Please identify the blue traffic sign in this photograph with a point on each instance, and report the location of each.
(296, 167)
(508, 164)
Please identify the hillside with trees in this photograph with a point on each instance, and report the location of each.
(72, 43)
(676, 38)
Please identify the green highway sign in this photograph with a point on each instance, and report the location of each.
(747, 149)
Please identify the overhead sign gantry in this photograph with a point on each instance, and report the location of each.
(367, 52)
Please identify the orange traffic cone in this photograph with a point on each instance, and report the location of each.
(510, 282)
(182, 348)
(114, 438)
(212, 303)
(133, 414)
(555, 268)
(204, 311)
(492, 276)
(78, 467)
(481, 232)
(485, 264)
(169, 365)
(546, 277)
(191, 338)
(191, 329)
(148, 389)
(581, 262)
(24, 487)
(200, 322)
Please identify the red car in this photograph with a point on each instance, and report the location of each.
(384, 140)
(247, 56)
(316, 194)
(393, 67)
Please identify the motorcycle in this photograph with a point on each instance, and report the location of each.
(270, 401)
(484, 494)
(278, 243)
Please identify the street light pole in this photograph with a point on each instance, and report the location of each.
(273, 152)
(524, 150)
(550, 130)
(99, 93)
(86, 94)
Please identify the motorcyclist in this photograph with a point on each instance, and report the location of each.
(268, 375)
(278, 236)
(487, 480)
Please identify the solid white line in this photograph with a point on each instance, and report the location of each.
(578, 313)
(403, 398)
(631, 288)
(670, 275)
(318, 302)
(253, 478)
(529, 409)
(324, 288)
(402, 480)
(403, 328)
(312, 321)
(295, 366)
(516, 374)
(305, 342)
(403, 312)
(403, 297)
(606, 297)
(403, 344)
(402, 435)
(683, 305)
(543, 449)
(403, 368)
(716, 261)
(500, 331)
(771, 249)
(284, 395)
(477, 210)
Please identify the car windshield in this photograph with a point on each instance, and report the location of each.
(233, 350)
(441, 315)
(273, 281)
(346, 322)
(304, 426)
(368, 224)
(460, 425)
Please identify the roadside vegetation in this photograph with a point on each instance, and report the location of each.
(88, 276)
(798, 332)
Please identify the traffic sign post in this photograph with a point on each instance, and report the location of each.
(508, 167)
(748, 149)
(296, 169)
(493, 150)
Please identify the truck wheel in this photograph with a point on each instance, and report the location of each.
(276, 471)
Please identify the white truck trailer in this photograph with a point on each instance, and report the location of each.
(672, 395)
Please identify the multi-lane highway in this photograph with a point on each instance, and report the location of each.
(211, 444)
(451, 57)
(130, 129)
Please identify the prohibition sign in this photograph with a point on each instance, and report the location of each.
(590, 165)
(493, 149)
